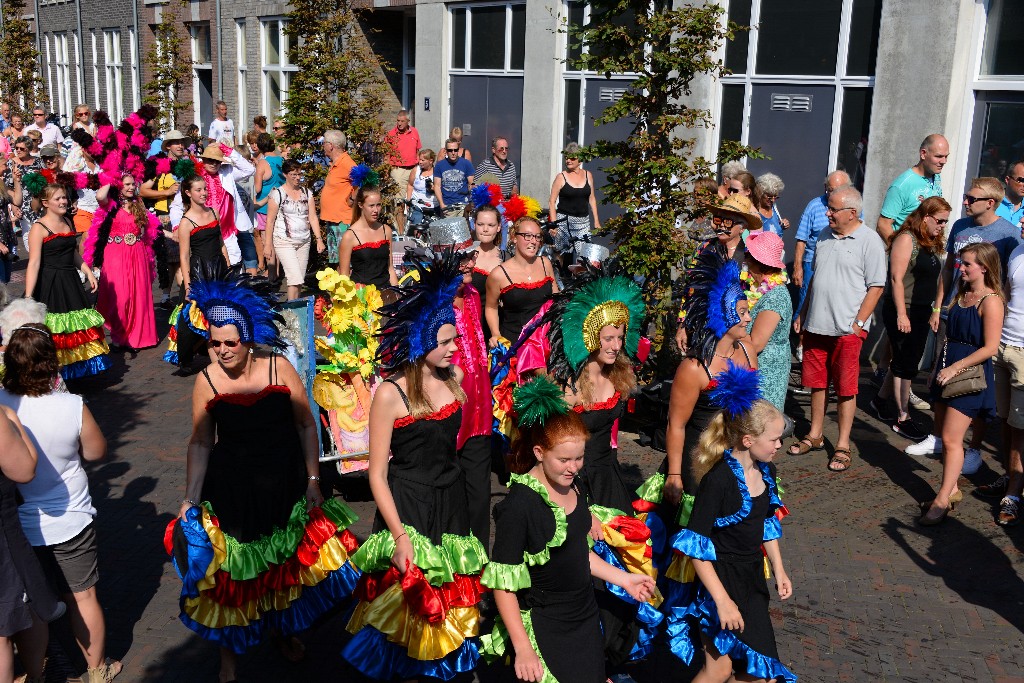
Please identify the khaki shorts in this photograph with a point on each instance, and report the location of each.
(401, 177)
(1008, 366)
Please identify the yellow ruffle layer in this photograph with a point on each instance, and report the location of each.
(391, 615)
(680, 569)
(97, 347)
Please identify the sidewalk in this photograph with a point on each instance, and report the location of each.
(876, 598)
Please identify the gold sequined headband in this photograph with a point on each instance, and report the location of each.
(608, 313)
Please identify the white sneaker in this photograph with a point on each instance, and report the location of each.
(918, 402)
(931, 445)
(972, 461)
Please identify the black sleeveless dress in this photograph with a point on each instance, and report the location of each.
(204, 245)
(77, 327)
(370, 263)
(424, 475)
(601, 476)
(204, 252)
(256, 469)
(520, 301)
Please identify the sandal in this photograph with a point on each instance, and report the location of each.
(954, 498)
(840, 460)
(928, 519)
(806, 445)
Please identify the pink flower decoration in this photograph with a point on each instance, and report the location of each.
(163, 166)
(81, 181)
(134, 120)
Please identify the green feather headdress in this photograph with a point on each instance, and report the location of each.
(536, 400)
(577, 315)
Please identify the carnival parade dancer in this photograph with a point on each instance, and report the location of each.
(541, 567)
(717, 314)
(735, 515)
(120, 244)
(418, 613)
(259, 551)
(52, 278)
(595, 337)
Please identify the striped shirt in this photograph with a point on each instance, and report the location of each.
(507, 178)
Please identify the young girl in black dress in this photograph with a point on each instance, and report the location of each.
(364, 253)
(541, 567)
(733, 519)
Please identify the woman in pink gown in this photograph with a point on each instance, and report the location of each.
(120, 244)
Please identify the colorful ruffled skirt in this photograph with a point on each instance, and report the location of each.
(189, 314)
(81, 344)
(627, 545)
(420, 623)
(237, 594)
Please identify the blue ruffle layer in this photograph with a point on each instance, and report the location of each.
(314, 602)
(647, 616)
(694, 545)
(86, 368)
(171, 357)
(705, 612)
(772, 529)
(376, 657)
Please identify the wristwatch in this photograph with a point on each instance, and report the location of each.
(859, 323)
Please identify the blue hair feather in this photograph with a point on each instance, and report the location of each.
(736, 389)
(480, 195)
(726, 291)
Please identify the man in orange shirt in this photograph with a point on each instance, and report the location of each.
(405, 145)
(338, 196)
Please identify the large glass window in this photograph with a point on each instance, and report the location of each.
(736, 49)
(62, 68)
(573, 114)
(1004, 42)
(133, 46)
(798, 37)
(864, 24)
(731, 120)
(277, 67)
(489, 37)
(114, 76)
(853, 133)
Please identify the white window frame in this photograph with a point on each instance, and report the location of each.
(61, 98)
(196, 67)
(241, 59)
(95, 70)
(285, 69)
(79, 76)
(114, 71)
(133, 47)
(507, 70)
(408, 64)
(49, 66)
(839, 81)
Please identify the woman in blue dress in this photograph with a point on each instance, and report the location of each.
(973, 328)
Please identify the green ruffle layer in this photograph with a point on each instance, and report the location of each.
(497, 643)
(506, 577)
(605, 515)
(651, 489)
(248, 560)
(74, 321)
(456, 555)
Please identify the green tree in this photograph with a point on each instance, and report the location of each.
(169, 68)
(340, 82)
(650, 173)
(19, 59)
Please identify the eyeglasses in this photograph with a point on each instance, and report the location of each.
(529, 236)
(230, 343)
(940, 221)
(733, 190)
(724, 222)
(501, 149)
(970, 199)
(835, 211)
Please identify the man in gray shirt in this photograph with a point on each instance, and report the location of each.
(501, 166)
(849, 276)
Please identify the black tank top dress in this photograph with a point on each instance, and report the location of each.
(370, 263)
(601, 476)
(424, 475)
(520, 301)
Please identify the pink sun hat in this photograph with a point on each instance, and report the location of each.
(766, 248)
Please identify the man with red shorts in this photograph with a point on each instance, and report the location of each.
(849, 276)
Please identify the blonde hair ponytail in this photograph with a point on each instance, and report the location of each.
(727, 432)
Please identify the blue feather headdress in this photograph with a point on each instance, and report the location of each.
(362, 175)
(735, 390)
(713, 290)
(230, 300)
(412, 322)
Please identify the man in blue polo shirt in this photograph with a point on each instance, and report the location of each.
(913, 186)
(1012, 206)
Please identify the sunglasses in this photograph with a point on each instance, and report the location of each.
(970, 199)
(942, 221)
(230, 343)
(724, 222)
(278, 127)
(451, 151)
(733, 190)
(82, 113)
(21, 149)
(1019, 179)
(529, 236)
(501, 149)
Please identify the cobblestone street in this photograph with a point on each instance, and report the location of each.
(876, 597)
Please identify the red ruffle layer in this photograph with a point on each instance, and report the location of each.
(430, 602)
(71, 340)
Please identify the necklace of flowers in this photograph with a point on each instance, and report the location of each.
(755, 292)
